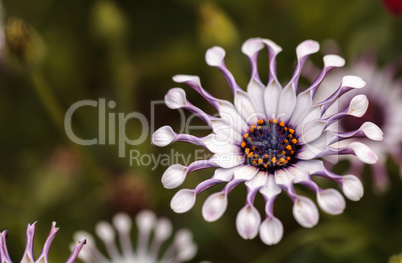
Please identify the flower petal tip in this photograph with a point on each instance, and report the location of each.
(353, 81)
(163, 136)
(307, 47)
(248, 222)
(215, 56)
(214, 206)
(331, 201)
(271, 231)
(176, 98)
(174, 176)
(305, 212)
(252, 46)
(352, 187)
(183, 201)
(334, 61)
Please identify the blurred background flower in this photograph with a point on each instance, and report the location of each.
(152, 234)
(28, 255)
(126, 52)
(384, 94)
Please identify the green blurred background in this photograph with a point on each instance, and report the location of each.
(127, 51)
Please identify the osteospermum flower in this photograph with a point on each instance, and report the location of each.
(384, 94)
(270, 138)
(181, 250)
(28, 256)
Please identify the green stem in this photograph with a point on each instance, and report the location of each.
(56, 114)
(48, 100)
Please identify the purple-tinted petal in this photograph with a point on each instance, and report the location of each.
(255, 91)
(348, 83)
(245, 107)
(76, 250)
(224, 174)
(183, 200)
(254, 185)
(331, 201)
(214, 206)
(174, 176)
(305, 212)
(271, 188)
(163, 136)
(227, 160)
(273, 50)
(286, 104)
(368, 129)
(302, 107)
(251, 48)
(176, 99)
(248, 222)
(229, 114)
(194, 82)
(215, 57)
(271, 231)
(303, 51)
(330, 62)
(362, 151)
(4, 256)
(28, 254)
(271, 97)
(45, 251)
(352, 187)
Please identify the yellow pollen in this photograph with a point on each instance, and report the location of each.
(275, 121)
(282, 124)
(266, 156)
(281, 160)
(288, 158)
(292, 152)
(286, 161)
(285, 128)
(250, 154)
(285, 141)
(290, 136)
(260, 121)
(291, 131)
(283, 152)
(294, 141)
(260, 161)
(245, 135)
(256, 156)
(247, 150)
(254, 162)
(251, 130)
(243, 144)
(289, 147)
(253, 148)
(273, 159)
(266, 166)
(259, 127)
(253, 126)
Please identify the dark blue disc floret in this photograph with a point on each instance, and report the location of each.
(270, 145)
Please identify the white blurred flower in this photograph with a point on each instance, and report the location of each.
(385, 107)
(152, 233)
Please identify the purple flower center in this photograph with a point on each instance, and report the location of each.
(270, 145)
